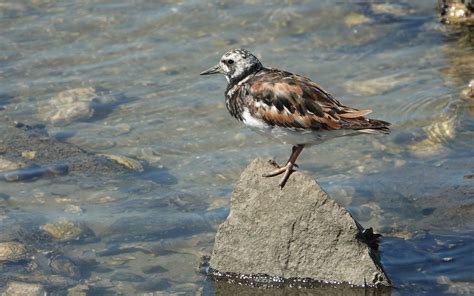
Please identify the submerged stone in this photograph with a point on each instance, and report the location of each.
(356, 19)
(63, 265)
(294, 233)
(20, 289)
(13, 251)
(7, 165)
(51, 157)
(35, 171)
(74, 104)
(79, 290)
(127, 162)
(67, 231)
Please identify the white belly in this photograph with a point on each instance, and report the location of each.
(289, 135)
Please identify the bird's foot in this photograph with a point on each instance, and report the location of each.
(285, 177)
(276, 172)
(288, 169)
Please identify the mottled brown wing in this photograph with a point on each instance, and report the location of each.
(284, 99)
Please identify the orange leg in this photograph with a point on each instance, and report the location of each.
(288, 168)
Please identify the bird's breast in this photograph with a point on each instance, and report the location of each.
(253, 122)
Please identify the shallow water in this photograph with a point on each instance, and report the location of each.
(151, 228)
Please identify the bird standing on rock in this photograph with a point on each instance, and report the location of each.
(288, 107)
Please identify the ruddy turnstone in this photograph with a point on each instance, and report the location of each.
(288, 107)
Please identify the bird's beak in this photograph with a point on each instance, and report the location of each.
(212, 70)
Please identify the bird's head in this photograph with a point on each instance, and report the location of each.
(236, 64)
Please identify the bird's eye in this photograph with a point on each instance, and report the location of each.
(230, 62)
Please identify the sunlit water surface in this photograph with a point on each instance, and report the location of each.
(153, 227)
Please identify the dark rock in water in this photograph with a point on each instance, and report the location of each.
(154, 269)
(38, 155)
(294, 233)
(63, 265)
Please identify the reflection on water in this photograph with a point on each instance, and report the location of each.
(121, 79)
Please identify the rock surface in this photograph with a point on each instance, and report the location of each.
(74, 104)
(28, 152)
(67, 231)
(297, 232)
(21, 289)
(12, 251)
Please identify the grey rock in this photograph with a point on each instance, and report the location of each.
(296, 232)
(23, 289)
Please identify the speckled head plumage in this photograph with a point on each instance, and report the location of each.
(236, 64)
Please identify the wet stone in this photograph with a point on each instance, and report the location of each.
(51, 156)
(457, 287)
(62, 265)
(68, 231)
(74, 104)
(35, 171)
(79, 290)
(50, 281)
(7, 165)
(13, 251)
(147, 154)
(297, 232)
(388, 8)
(355, 19)
(23, 289)
(127, 162)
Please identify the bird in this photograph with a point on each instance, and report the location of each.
(287, 107)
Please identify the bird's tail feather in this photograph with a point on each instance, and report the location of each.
(375, 127)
